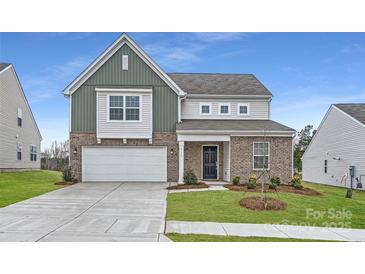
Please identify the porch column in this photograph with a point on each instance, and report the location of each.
(181, 162)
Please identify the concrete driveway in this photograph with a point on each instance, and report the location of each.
(89, 212)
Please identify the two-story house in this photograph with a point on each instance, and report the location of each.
(131, 121)
(20, 139)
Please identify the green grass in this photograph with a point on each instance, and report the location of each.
(223, 206)
(214, 238)
(19, 186)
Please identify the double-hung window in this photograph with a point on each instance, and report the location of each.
(325, 166)
(261, 154)
(33, 153)
(224, 109)
(20, 117)
(19, 151)
(124, 108)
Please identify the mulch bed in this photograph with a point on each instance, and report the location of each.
(185, 186)
(257, 203)
(280, 188)
(65, 183)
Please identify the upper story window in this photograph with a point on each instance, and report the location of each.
(325, 166)
(122, 108)
(20, 117)
(19, 151)
(224, 109)
(261, 154)
(33, 153)
(243, 109)
(205, 108)
(125, 62)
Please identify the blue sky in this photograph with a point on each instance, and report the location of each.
(306, 72)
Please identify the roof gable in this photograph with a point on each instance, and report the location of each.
(10, 66)
(124, 39)
(356, 111)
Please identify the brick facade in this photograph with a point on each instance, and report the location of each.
(79, 139)
(193, 157)
(281, 160)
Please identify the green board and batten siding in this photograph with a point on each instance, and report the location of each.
(165, 108)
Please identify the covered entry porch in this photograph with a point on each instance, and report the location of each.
(208, 156)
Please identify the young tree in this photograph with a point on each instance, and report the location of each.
(304, 138)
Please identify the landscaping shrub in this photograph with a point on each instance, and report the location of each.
(296, 182)
(274, 182)
(66, 174)
(252, 180)
(236, 180)
(190, 178)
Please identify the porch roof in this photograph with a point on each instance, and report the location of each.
(233, 125)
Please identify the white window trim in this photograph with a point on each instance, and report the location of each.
(224, 104)
(243, 105)
(205, 104)
(19, 148)
(124, 108)
(125, 62)
(36, 153)
(253, 156)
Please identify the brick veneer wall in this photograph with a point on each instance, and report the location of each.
(79, 139)
(193, 157)
(280, 157)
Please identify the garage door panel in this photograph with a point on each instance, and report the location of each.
(124, 164)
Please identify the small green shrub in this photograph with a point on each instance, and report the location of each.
(274, 182)
(190, 178)
(236, 180)
(67, 174)
(252, 180)
(296, 182)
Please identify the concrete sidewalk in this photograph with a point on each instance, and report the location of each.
(266, 230)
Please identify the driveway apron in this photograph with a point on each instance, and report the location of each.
(89, 212)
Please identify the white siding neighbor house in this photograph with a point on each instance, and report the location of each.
(20, 139)
(338, 144)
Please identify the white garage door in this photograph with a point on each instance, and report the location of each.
(124, 164)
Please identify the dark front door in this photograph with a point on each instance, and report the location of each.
(210, 162)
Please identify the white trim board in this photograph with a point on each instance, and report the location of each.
(114, 47)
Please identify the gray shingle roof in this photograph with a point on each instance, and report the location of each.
(356, 111)
(219, 84)
(232, 125)
(3, 66)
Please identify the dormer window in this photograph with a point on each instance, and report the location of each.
(205, 108)
(20, 117)
(243, 109)
(125, 62)
(224, 109)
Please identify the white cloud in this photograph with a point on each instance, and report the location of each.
(50, 81)
(219, 36)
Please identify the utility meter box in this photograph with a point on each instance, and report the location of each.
(352, 171)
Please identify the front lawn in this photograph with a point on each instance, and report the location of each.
(215, 238)
(329, 209)
(18, 186)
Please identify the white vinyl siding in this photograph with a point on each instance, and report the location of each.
(11, 100)
(258, 109)
(341, 141)
(124, 164)
(140, 129)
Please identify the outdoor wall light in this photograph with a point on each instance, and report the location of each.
(75, 150)
(171, 151)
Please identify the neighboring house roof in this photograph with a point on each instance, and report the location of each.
(102, 58)
(3, 66)
(220, 84)
(356, 111)
(232, 125)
